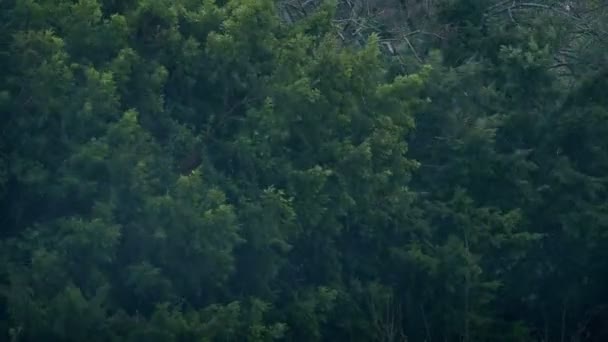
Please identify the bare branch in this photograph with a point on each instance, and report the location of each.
(412, 48)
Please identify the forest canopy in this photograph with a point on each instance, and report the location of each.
(261, 170)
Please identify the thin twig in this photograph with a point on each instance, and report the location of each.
(511, 16)
(413, 49)
(426, 323)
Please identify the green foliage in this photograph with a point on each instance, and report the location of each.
(203, 171)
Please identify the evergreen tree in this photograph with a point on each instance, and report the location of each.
(252, 170)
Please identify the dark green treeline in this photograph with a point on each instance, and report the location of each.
(225, 170)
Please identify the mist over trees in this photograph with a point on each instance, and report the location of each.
(260, 170)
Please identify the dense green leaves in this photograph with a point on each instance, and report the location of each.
(205, 171)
